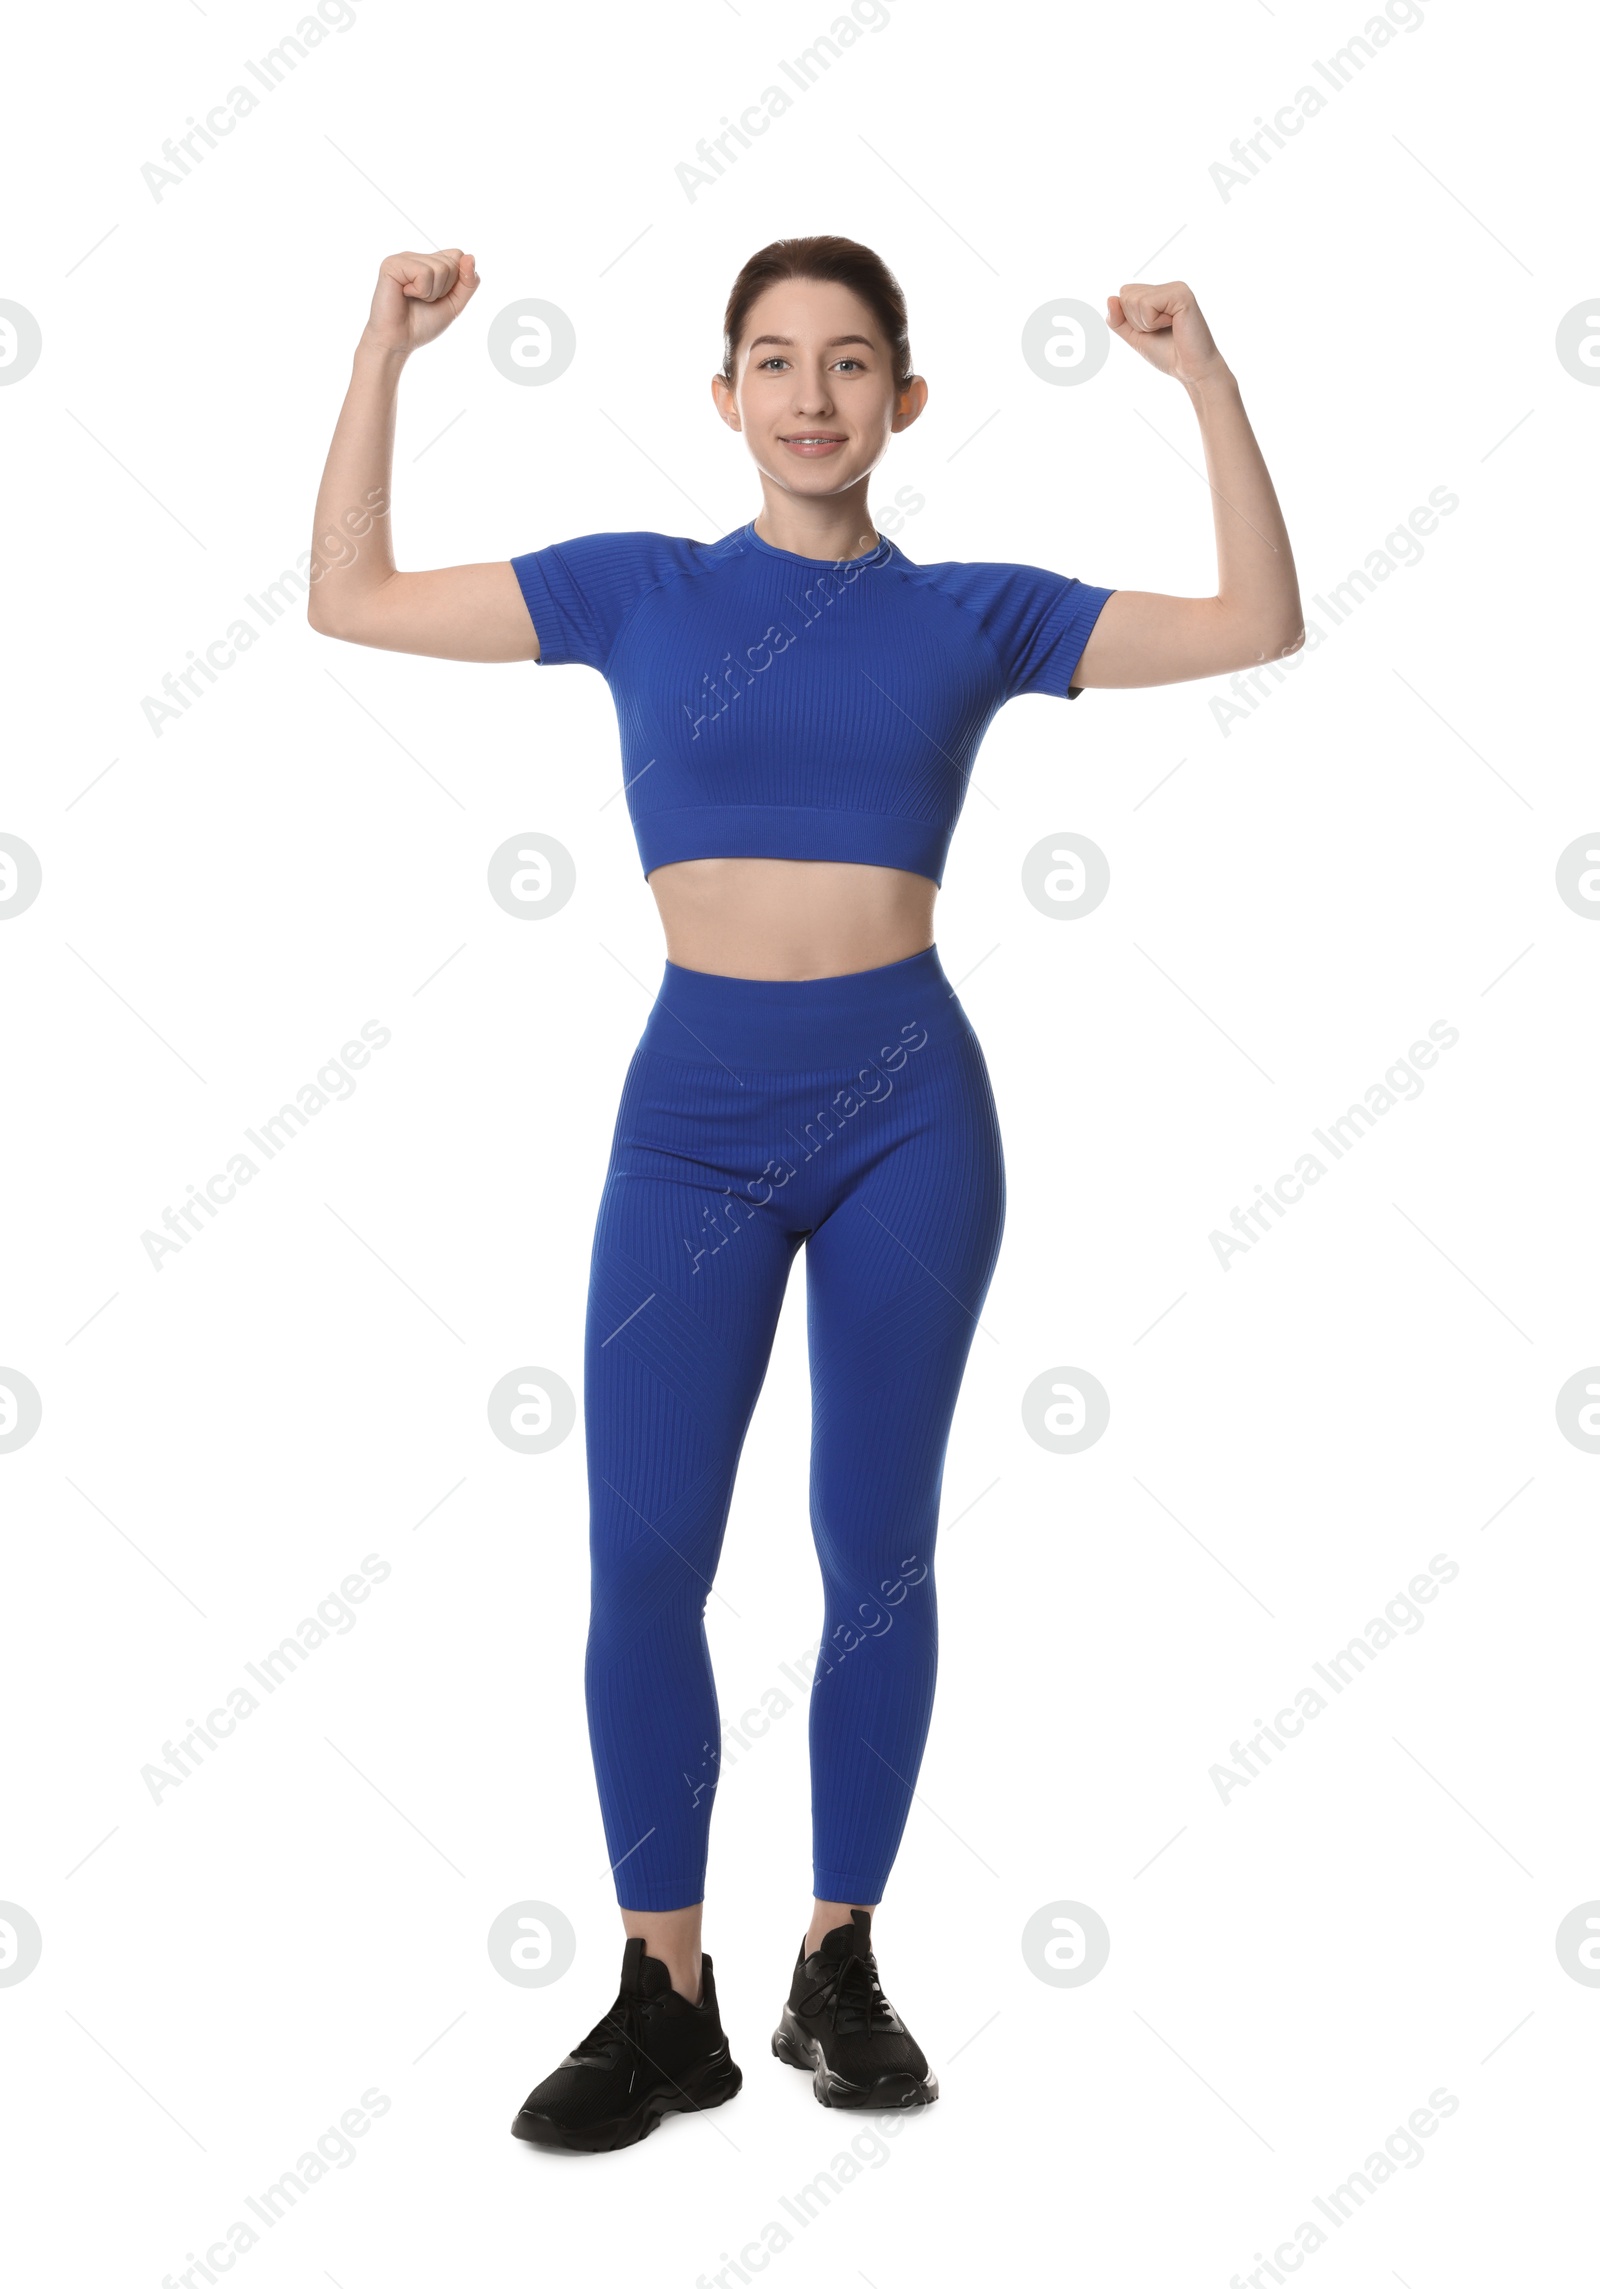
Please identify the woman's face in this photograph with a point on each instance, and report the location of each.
(813, 390)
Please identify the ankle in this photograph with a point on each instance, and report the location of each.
(826, 1916)
(685, 1974)
(671, 1936)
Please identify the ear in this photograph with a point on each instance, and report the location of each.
(723, 398)
(909, 403)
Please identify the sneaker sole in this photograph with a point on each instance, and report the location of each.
(713, 2089)
(890, 2093)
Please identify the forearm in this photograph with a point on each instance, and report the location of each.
(352, 551)
(1142, 637)
(1257, 588)
(458, 611)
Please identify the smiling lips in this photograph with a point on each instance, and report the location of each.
(812, 445)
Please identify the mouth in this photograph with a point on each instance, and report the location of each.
(812, 444)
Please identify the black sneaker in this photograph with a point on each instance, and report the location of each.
(841, 2028)
(652, 2054)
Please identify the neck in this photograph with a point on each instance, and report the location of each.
(830, 530)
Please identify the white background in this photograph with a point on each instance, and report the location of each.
(1291, 1439)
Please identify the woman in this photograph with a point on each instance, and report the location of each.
(800, 706)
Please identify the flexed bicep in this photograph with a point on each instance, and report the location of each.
(1255, 616)
(1141, 637)
(456, 612)
(459, 611)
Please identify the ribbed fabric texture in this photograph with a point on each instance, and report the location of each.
(853, 1116)
(775, 706)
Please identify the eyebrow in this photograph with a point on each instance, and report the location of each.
(786, 341)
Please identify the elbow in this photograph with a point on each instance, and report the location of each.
(352, 612)
(325, 620)
(1267, 640)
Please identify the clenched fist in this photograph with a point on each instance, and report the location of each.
(417, 295)
(1163, 323)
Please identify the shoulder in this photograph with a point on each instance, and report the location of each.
(581, 592)
(1034, 620)
(650, 554)
(981, 583)
(1007, 601)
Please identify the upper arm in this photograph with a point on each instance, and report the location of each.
(1036, 622)
(459, 612)
(1143, 638)
(566, 602)
(580, 593)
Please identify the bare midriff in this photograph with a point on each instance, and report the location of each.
(791, 917)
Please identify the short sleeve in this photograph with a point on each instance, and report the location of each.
(1039, 622)
(580, 592)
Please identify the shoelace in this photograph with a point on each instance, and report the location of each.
(856, 2003)
(626, 2022)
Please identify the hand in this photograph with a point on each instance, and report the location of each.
(1163, 323)
(417, 296)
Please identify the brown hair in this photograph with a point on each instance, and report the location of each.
(830, 261)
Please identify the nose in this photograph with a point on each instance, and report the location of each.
(811, 393)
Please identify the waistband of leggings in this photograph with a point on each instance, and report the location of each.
(795, 1024)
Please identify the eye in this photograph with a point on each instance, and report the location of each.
(855, 362)
(773, 360)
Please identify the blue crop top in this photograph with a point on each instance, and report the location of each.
(782, 706)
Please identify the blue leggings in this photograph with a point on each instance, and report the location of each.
(853, 1114)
